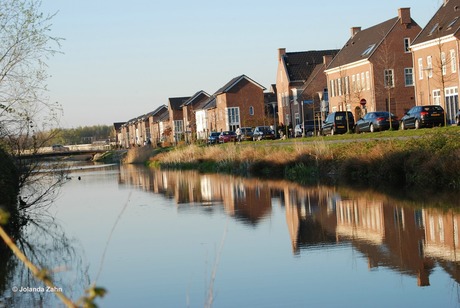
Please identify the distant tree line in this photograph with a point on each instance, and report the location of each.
(83, 134)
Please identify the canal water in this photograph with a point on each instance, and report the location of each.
(183, 239)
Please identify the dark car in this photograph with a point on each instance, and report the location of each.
(227, 136)
(213, 137)
(376, 121)
(311, 127)
(336, 123)
(246, 133)
(423, 116)
(263, 132)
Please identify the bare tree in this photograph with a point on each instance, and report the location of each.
(24, 108)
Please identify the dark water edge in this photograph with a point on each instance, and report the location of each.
(334, 174)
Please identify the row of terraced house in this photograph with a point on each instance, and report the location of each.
(390, 66)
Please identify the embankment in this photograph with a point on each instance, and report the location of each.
(430, 161)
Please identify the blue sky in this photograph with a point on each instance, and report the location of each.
(123, 59)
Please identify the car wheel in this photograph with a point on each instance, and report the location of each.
(371, 128)
(402, 126)
(417, 124)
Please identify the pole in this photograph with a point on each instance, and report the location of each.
(303, 121)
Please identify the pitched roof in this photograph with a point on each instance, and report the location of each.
(362, 45)
(299, 65)
(176, 102)
(196, 98)
(207, 104)
(229, 85)
(445, 22)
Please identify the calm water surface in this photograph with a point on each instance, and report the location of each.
(182, 239)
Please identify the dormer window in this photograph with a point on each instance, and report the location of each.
(452, 23)
(368, 50)
(434, 29)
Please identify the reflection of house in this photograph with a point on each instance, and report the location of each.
(387, 235)
(374, 66)
(442, 234)
(435, 53)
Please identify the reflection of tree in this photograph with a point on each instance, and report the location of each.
(45, 243)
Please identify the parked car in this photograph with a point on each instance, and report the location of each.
(246, 133)
(59, 148)
(213, 137)
(457, 118)
(311, 127)
(263, 132)
(423, 116)
(336, 123)
(227, 136)
(376, 121)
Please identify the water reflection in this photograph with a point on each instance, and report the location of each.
(392, 233)
(45, 243)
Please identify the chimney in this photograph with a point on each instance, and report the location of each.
(327, 59)
(281, 53)
(355, 30)
(404, 15)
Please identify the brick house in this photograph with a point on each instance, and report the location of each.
(176, 117)
(205, 117)
(375, 67)
(294, 69)
(240, 102)
(156, 119)
(435, 55)
(189, 110)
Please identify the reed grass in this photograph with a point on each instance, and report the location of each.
(428, 160)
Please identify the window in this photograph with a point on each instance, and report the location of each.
(251, 110)
(453, 61)
(353, 82)
(436, 97)
(358, 83)
(178, 126)
(434, 29)
(408, 77)
(332, 88)
(339, 81)
(388, 76)
(452, 22)
(368, 50)
(420, 68)
(406, 44)
(363, 82)
(347, 85)
(368, 81)
(233, 115)
(443, 63)
(429, 66)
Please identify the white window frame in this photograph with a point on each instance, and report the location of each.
(436, 97)
(368, 81)
(407, 44)
(429, 66)
(453, 60)
(443, 63)
(251, 110)
(420, 68)
(388, 78)
(408, 71)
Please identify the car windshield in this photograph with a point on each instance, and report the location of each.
(246, 130)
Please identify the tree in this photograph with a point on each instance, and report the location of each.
(24, 107)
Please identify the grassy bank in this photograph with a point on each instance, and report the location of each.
(430, 159)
